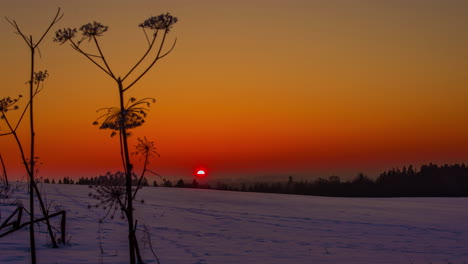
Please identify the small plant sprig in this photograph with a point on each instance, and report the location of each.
(8, 104)
(35, 82)
(146, 150)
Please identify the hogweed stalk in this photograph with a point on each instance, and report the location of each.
(35, 78)
(128, 115)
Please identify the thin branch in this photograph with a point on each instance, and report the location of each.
(103, 58)
(144, 56)
(141, 177)
(6, 134)
(29, 42)
(139, 102)
(5, 175)
(152, 64)
(38, 90)
(56, 19)
(77, 48)
(20, 146)
(146, 36)
(108, 112)
(111, 206)
(122, 150)
(11, 131)
(150, 243)
(154, 173)
(26, 108)
(18, 31)
(31, 222)
(39, 52)
(22, 115)
(169, 51)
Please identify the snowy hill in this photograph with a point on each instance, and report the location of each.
(206, 226)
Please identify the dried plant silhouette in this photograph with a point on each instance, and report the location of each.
(125, 116)
(35, 84)
(5, 175)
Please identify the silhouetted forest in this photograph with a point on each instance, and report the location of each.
(117, 179)
(429, 181)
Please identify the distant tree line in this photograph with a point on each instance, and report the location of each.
(98, 180)
(429, 181)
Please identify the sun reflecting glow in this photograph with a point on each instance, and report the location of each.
(201, 173)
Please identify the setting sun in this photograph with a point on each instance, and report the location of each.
(201, 173)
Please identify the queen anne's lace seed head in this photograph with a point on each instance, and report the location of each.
(94, 29)
(7, 104)
(110, 192)
(132, 116)
(62, 35)
(40, 76)
(163, 22)
(145, 148)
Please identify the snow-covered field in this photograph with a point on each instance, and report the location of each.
(206, 226)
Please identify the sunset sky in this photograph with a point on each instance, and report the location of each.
(253, 88)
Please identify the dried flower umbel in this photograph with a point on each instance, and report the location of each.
(8, 104)
(111, 193)
(40, 76)
(161, 22)
(132, 116)
(94, 29)
(88, 31)
(146, 148)
(63, 35)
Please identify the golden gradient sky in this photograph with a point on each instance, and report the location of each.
(253, 88)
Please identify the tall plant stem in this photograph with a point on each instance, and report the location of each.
(31, 159)
(31, 171)
(30, 166)
(100, 61)
(128, 174)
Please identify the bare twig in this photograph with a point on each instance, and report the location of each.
(101, 258)
(152, 63)
(5, 176)
(148, 240)
(30, 168)
(56, 19)
(144, 56)
(89, 57)
(18, 31)
(103, 58)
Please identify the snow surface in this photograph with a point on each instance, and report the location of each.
(206, 226)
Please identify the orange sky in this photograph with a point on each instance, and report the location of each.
(253, 88)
